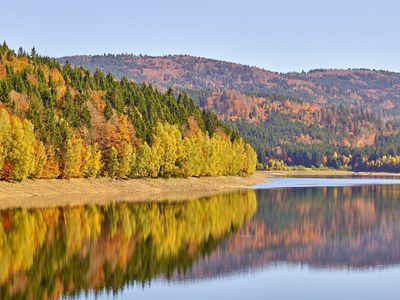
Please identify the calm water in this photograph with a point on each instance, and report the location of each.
(307, 239)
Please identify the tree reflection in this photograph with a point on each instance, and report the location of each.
(50, 252)
(333, 227)
(46, 253)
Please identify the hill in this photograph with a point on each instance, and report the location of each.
(335, 118)
(378, 90)
(68, 122)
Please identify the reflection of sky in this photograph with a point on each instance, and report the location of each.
(281, 282)
(322, 182)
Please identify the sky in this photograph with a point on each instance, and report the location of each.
(280, 35)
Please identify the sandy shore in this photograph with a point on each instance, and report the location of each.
(44, 193)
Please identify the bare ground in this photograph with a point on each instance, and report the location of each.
(44, 193)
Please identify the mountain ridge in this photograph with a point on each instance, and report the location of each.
(312, 70)
(378, 90)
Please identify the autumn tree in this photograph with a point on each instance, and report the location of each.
(73, 157)
(92, 163)
(125, 159)
(51, 168)
(113, 163)
(40, 159)
(5, 136)
(167, 147)
(21, 152)
(142, 164)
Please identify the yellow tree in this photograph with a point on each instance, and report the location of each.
(21, 153)
(210, 156)
(125, 160)
(113, 163)
(250, 159)
(218, 155)
(51, 168)
(167, 148)
(237, 149)
(40, 159)
(5, 136)
(92, 162)
(193, 153)
(73, 157)
(189, 157)
(141, 165)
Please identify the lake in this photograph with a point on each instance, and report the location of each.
(302, 238)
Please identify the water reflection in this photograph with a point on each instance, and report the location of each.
(46, 253)
(51, 252)
(355, 228)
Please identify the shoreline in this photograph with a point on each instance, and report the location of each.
(327, 173)
(72, 192)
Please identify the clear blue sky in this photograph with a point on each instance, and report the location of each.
(280, 35)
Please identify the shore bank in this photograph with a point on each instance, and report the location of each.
(327, 173)
(45, 193)
(57, 192)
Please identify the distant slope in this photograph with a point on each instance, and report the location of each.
(378, 90)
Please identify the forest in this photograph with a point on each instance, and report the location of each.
(281, 142)
(66, 122)
(342, 119)
(63, 121)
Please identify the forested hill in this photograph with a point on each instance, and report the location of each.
(377, 90)
(322, 118)
(63, 121)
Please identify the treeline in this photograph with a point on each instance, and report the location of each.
(280, 142)
(278, 135)
(65, 122)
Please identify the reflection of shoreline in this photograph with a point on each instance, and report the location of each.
(342, 228)
(246, 267)
(248, 271)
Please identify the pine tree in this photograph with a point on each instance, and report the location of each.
(33, 53)
(108, 112)
(20, 51)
